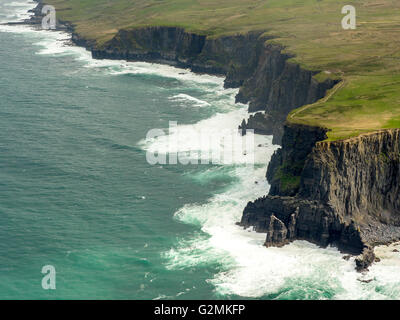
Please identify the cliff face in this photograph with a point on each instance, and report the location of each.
(360, 178)
(286, 165)
(347, 193)
(267, 81)
(277, 87)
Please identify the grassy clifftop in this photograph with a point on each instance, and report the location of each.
(367, 59)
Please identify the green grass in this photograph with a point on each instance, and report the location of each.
(288, 182)
(364, 103)
(367, 59)
(288, 176)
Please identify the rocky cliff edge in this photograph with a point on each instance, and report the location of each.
(342, 193)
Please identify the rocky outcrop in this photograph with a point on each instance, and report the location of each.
(300, 219)
(277, 87)
(263, 123)
(365, 259)
(37, 16)
(357, 175)
(286, 165)
(348, 192)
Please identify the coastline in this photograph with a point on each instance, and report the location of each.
(267, 80)
(148, 214)
(330, 226)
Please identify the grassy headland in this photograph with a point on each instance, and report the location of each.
(367, 59)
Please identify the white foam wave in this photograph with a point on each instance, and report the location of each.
(205, 140)
(17, 10)
(192, 100)
(58, 43)
(20, 4)
(300, 270)
(164, 71)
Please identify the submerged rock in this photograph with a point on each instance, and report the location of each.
(365, 259)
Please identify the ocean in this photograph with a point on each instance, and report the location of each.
(77, 193)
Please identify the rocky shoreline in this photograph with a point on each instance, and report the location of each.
(267, 80)
(342, 193)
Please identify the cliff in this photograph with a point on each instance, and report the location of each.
(267, 80)
(342, 193)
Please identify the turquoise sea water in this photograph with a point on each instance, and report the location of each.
(76, 191)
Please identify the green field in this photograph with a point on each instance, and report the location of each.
(367, 59)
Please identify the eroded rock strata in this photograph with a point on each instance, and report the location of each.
(344, 193)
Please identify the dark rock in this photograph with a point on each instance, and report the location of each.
(365, 281)
(365, 259)
(287, 163)
(267, 81)
(262, 123)
(36, 19)
(276, 233)
(303, 219)
(347, 194)
(242, 128)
